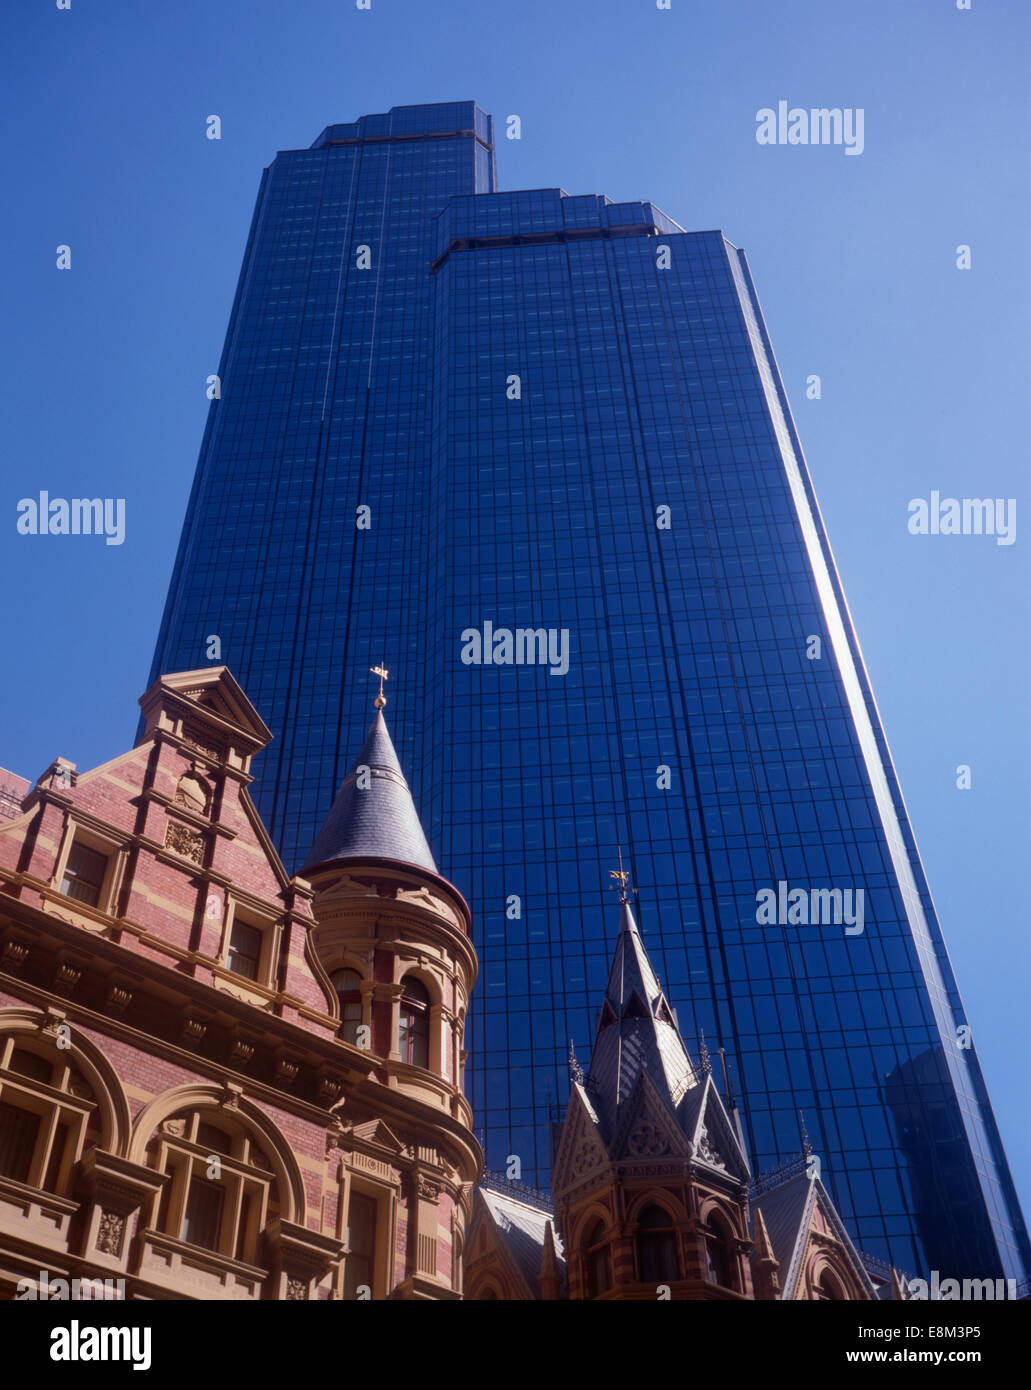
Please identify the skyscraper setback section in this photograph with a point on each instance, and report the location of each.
(557, 422)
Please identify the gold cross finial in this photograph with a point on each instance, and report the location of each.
(383, 673)
(622, 877)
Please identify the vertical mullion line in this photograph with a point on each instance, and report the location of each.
(289, 744)
(696, 791)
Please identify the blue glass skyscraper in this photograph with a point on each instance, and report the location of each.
(533, 452)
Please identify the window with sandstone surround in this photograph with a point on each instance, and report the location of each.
(222, 1190)
(359, 1266)
(597, 1262)
(245, 946)
(48, 1115)
(656, 1247)
(413, 1035)
(719, 1258)
(84, 873)
(347, 984)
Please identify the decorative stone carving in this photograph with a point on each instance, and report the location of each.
(192, 1031)
(707, 1151)
(231, 1096)
(192, 794)
(646, 1141)
(66, 977)
(240, 1052)
(13, 956)
(198, 738)
(584, 1157)
(110, 1233)
(117, 1000)
(286, 1072)
(296, 1289)
(427, 1188)
(174, 1127)
(189, 843)
(328, 1090)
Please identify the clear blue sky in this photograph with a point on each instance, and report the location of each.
(924, 367)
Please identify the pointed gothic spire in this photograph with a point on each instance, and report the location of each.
(767, 1268)
(373, 816)
(636, 1030)
(549, 1275)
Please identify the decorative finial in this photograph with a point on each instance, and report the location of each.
(807, 1148)
(576, 1071)
(703, 1054)
(381, 671)
(622, 877)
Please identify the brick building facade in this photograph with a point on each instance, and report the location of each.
(218, 1081)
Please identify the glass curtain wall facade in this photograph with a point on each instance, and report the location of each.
(595, 567)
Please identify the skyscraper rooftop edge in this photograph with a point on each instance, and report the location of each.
(408, 122)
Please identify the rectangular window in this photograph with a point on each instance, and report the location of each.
(202, 1222)
(244, 950)
(19, 1130)
(361, 1243)
(29, 1064)
(84, 874)
(213, 1140)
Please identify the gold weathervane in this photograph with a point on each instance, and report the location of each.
(383, 673)
(622, 878)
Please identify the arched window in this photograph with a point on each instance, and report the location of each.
(49, 1114)
(656, 1247)
(347, 984)
(413, 1038)
(828, 1289)
(597, 1263)
(719, 1257)
(222, 1191)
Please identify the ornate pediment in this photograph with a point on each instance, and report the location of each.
(713, 1137)
(581, 1151)
(648, 1129)
(380, 1134)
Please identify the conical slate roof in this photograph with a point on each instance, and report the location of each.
(373, 816)
(636, 1031)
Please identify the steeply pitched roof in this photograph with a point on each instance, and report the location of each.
(524, 1229)
(784, 1209)
(636, 1031)
(787, 1211)
(373, 816)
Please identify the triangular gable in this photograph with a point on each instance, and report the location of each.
(581, 1150)
(648, 1128)
(822, 1199)
(216, 695)
(376, 1132)
(715, 1142)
